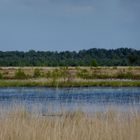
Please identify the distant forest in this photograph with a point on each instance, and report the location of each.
(90, 57)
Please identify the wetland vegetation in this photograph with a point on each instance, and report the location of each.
(69, 76)
(70, 113)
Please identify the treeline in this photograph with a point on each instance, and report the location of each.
(91, 57)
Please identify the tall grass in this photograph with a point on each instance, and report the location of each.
(111, 125)
(57, 83)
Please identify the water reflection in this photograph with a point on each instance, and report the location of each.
(70, 99)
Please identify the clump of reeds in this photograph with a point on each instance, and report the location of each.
(112, 125)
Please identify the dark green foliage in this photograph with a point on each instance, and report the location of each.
(37, 73)
(132, 59)
(94, 63)
(117, 57)
(19, 74)
(1, 76)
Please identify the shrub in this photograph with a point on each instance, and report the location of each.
(1, 76)
(115, 67)
(84, 73)
(54, 74)
(127, 75)
(37, 73)
(48, 74)
(19, 74)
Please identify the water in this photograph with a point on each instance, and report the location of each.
(93, 99)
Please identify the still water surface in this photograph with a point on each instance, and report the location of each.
(92, 99)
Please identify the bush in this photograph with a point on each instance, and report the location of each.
(20, 74)
(55, 74)
(127, 75)
(37, 73)
(1, 76)
(115, 67)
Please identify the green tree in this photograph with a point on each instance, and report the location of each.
(94, 63)
(132, 59)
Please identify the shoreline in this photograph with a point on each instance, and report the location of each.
(85, 83)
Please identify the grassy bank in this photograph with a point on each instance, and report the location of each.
(30, 83)
(70, 72)
(69, 76)
(111, 125)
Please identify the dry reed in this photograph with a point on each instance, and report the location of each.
(112, 125)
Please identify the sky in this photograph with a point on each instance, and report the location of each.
(60, 25)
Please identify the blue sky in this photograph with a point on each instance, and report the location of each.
(69, 24)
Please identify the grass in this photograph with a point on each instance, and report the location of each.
(98, 74)
(56, 83)
(67, 76)
(111, 125)
(71, 72)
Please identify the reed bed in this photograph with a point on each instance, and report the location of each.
(110, 125)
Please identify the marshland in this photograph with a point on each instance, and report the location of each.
(64, 103)
(44, 113)
(69, 76)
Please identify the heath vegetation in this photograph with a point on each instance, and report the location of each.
(70, 76)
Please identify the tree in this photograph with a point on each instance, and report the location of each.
(104, 57)
(132, 59)
(94, 63)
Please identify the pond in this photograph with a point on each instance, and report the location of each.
(93, 99)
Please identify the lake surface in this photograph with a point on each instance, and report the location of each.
(93, 99)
